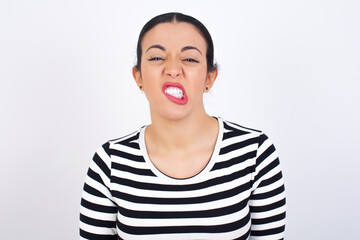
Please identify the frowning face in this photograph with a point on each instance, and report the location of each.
(173, 70)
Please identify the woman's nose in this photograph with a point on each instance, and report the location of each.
(173, 68)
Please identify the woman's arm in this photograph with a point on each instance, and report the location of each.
(98, 210)
(267, 202)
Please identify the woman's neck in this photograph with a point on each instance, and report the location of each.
(185, 134)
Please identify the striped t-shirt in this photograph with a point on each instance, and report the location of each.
(238, 195)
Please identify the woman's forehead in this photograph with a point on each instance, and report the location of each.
(174, 35)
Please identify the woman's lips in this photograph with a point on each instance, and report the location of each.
(175, 92)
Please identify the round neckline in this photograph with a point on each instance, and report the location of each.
(162, 175)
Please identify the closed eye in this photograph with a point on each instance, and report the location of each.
(191, 60)
(155, 59)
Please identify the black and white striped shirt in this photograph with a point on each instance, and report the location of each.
(238, 195)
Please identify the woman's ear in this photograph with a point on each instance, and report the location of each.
(137, 76)
(210, 79)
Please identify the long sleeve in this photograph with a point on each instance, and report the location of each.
(267, 202)
(98, 210)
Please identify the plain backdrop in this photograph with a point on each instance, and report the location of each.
(289, 68)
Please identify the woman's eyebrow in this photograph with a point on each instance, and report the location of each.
(190, 48)
(156, 46)
(182, 49)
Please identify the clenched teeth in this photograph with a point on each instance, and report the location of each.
(175, 92)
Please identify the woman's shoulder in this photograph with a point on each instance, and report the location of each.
(128, 142)
(234, 131)
(127, 139)
(238, 129)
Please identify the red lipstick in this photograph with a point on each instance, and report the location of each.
(175, 94)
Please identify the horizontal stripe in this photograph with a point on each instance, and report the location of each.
(238, 234)
(92, 191)
(268, 207)
(93, 236)
(267, 232)
(126, 155)
(130, 169)
(96, 222)
(192, 200)
(101, 164)
(271, 180)
(268, 194)
(267, 169)
(97, 207)
(240, 193)
(182, 229)
(264, 155)
(274, 218)
(185, 214)
(233, 161)
(237, 146)
(179, 188)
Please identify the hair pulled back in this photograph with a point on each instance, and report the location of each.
(178, 17)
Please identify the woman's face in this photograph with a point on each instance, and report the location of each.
(173, 70)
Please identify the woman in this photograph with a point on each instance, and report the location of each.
(187, 175)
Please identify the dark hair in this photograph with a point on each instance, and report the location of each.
(178, 17)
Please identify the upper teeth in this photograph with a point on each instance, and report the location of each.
(175, 92)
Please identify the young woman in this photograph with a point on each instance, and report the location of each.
(187, 175)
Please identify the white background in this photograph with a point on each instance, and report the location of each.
(289, 68)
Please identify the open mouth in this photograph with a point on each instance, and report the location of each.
(175, 92)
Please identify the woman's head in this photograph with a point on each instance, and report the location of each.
(178, 17)
(175, 65)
